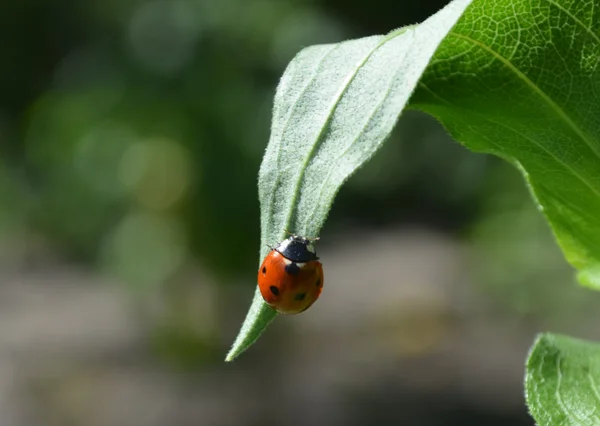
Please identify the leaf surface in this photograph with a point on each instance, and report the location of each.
(334, 107)
(563, 381)
(519, 79)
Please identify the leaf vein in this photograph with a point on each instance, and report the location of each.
(567, 166)
(557, 394)
(575, 19)
(595, 389)
(553, 105)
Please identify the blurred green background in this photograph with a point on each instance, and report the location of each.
(131, 132)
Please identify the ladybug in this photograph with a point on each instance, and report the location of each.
(290, 278)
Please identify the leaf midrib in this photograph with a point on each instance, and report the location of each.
(285, 126)
(327, 121)
(567, 166)
(359, 134)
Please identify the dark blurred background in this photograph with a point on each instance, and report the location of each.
(131, 132)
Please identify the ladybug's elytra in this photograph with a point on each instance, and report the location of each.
(290, 278)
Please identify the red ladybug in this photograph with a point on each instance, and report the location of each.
(290, 278)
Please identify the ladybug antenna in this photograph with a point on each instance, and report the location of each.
(311, 239)
(290, 233)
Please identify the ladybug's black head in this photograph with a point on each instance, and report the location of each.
(297, 249)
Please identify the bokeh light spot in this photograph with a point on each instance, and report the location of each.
(98, 155)
(163, 34)
(145, 249)
(157, 172)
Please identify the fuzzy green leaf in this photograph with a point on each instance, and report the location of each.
(334, 107)
(563, 381)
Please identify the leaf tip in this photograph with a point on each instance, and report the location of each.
(540, 339)
(590, 277)
(258, 318)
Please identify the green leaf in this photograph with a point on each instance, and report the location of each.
(563, 381)
(520, 79)
(334, 107)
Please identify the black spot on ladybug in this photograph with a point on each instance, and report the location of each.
(300, 296)
(264, 271)
(319, 282)
(274, 290)
(292, 269)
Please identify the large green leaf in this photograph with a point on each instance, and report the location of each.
(563, 381)
(334, 107)
(520, 79)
